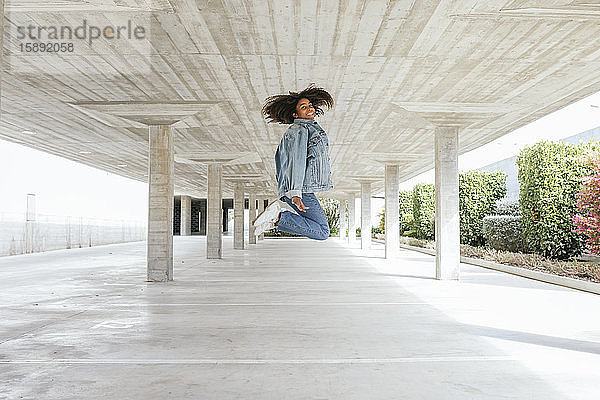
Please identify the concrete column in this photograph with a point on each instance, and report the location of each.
(392, 206)
(447, 229)
(365, 215)
(160, 203)
(185, 228)
(158, 117)
(351, 219)
(343, 219)
(252, 215)
(261, 208)
(238, 216)
(214, 223)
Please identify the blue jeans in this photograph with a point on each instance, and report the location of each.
(311, 223)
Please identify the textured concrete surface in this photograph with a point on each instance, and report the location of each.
(161, 170)
(214, 222)
(2, 43)
(392, 211)
(447, 217)
(493, 65)
(238, 216)
(185, 228)
(352, 218)
(343, 219)
(288, 319)
(365, 215)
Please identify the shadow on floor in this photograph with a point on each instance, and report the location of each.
(358, 256)
(533, 338)
(408, 276)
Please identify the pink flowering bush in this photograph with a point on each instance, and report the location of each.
(587, 222)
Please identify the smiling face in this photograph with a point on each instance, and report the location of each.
(304, 109)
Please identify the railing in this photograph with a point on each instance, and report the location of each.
(50, 232)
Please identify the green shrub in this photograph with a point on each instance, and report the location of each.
(330, 208)
(423, 202)
(477, 196)
(504, 232)
(508, 207)
(408, 222)
(405, 212)
(382, 221)
(411, 233)
(550, 177)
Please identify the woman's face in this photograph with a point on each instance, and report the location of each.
(304, 109)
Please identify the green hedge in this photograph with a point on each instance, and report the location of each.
(423, 202)
(478, 194)
(550, 177)
(504, 232)
(331, 209)
(406, 211)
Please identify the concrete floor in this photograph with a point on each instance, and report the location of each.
(287, 319)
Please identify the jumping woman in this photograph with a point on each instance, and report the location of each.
(302, 164)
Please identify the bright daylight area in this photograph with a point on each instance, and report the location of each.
(299, 199)
(109, 199)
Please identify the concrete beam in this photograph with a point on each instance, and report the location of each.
(123, 113)
(392, 205)
(252, 215)
(214, 226)
(160, 203)
(238, 216)
(365, 215)
(447, 228)
(185, 227)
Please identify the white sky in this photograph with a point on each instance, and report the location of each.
(64, 187)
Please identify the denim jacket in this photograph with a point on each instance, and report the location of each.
(302, 160)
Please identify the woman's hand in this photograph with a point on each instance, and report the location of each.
(298, 203)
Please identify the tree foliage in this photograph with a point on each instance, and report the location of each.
(423, 201)
(478, 193)
(331, 209)
(550, 176)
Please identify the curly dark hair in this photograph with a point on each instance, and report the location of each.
(279, 108)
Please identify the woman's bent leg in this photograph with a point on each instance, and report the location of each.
(311, 223)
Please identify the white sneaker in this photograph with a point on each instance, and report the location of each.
(271, 213)
(267, 226)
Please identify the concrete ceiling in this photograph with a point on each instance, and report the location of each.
(395, 69)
